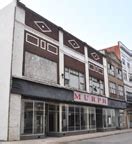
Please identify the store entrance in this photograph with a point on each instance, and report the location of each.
(99, 119)
(51, 119)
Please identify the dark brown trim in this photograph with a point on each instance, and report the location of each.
(74, 64)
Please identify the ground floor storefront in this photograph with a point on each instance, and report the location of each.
(39, 118)
(41, 110)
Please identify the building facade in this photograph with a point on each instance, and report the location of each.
(125, 56)
(116, 84)
(52, 83)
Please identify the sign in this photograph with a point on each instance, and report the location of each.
(91, 99)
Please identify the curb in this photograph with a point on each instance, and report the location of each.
(81, 139)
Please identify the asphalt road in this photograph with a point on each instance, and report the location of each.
(125, 138)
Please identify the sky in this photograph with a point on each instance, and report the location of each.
(99, 23)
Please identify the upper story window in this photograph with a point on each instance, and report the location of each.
(112, 87)
(118, 73)
(39, 68)
(74, 79)
(111, 69)
(123, 61)
(130, 77)
(96, 68)
(128, 65)
(96, 86)
(124, 75)
(120, 90)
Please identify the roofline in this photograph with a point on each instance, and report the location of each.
(123, 47)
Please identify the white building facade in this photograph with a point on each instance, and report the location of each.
(52, 83)
(126, 57)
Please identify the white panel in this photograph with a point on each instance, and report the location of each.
(106, 77)
(86, 70)
(15, 114)
(18, 51)
(61, 59)
(6, 36)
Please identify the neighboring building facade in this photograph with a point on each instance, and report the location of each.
(125, 56)
(116, 84)
(52, 83)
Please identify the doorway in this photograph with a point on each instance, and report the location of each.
(51, 118)
(99, 119)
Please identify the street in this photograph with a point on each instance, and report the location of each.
(125, 138)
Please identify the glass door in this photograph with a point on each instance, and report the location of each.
(38, 117)
(51, 118)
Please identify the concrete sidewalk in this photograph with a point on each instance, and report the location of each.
(66, 139)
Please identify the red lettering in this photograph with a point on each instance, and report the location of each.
(93, 99)
(86, 97)
(99, 99)
(77, 96)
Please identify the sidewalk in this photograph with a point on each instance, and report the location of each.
(62, 140)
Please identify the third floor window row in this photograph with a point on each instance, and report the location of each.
(114, 71)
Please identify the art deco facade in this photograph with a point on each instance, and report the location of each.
(52, 83)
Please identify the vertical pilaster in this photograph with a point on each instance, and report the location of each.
(14, 118)
(61, 59)
(106, 81)
(86, 69)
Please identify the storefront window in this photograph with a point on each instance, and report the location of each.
(75, 118)
(109, 118)
(84, 118)
(64, 118)
(38, 117)
(71, 118)
(32, 117)
(122, 118)
(28, 117)
(92, 118)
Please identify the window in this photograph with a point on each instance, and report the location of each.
(75, 118)
(124, 75)
(109, 118)
(92, 118)
(111, 69)
(96, 86)
(123, 61)
(118, 73)
(128, 65)
(32, 117)
(74, 79)
(40, 68)
(112, 88)
(96, 68)
(130, 77)
(120, 91)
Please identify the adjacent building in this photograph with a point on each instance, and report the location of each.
(125, 56)
(52, 83)
(116, 84)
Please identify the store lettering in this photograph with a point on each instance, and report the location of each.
(92, 99)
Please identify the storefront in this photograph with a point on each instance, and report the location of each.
(55, 111)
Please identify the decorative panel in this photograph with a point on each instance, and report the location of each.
(41, 24)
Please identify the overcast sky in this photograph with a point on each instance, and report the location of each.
(100, 23)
